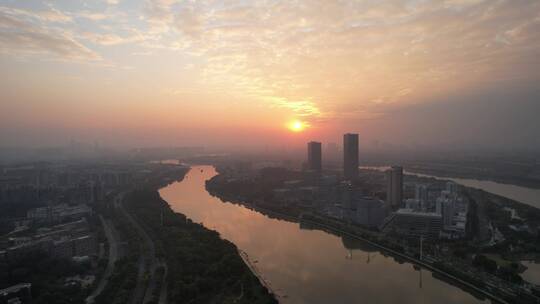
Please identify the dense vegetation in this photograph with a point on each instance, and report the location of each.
(122, 283)
(202, 267)
(47, 275)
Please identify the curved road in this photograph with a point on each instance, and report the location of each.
(144, 289)
(113, 256)
(148, 253)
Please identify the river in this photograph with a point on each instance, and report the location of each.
(524, 195)
(308, 266)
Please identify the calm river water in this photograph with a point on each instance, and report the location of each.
(309, 266)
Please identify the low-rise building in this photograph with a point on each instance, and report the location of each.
(20, 293)
(84, 246)
(370, 212)
(412, 223)
(58, 213)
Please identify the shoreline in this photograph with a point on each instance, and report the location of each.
(456, 276)
(170, 229)
(460, 283)
(528, 183)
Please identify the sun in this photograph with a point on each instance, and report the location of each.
(297, 126)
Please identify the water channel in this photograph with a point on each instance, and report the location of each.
(309, 266)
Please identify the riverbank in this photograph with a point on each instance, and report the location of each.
(453, 269)
(522, 175)
(532, 183)
(473, 286)
(303, 263)
(202, 267)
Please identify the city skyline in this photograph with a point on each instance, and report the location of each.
(269, 151)
(449, 74)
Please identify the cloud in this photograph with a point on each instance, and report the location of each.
(95, 16)
(19, 36)
(53, 15)
(300, 108)
(316, 59)
(189, 21)
(49, 15)
(112, 39)
(340, 52)
(158, 15)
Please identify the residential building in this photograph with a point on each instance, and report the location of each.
(350, 156)
(394, 181)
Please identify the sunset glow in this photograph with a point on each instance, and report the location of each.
(145, 71)
(394, 126)
(297, 126)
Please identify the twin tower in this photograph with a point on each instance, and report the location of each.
(350, 156)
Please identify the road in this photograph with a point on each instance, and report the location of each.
(424, 263)
(148, 253)
(163, 297)
(148, 264)
(414, 260)
(113, 256)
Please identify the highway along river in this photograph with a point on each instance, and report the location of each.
(309, 266)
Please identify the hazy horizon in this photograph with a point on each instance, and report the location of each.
(429, 75)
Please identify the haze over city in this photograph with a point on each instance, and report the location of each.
(454, 74)
(269, 151)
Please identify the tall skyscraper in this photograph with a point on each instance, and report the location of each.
(446, 208)
(394, 180)
(421, 194)
(350, 156)
(314, 156)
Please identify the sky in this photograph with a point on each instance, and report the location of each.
(428, 74)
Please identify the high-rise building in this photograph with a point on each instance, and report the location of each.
(445, 207)
(421, 194)
(452, 187)
(347, 195)
(350, 156)
(370, 212)
(394, 180)
(314, 156)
